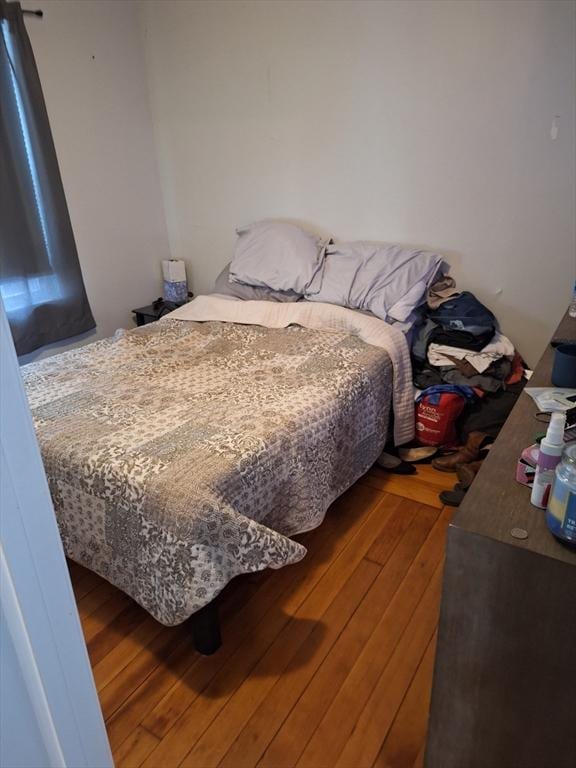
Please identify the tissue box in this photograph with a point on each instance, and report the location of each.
(176, 292)
(175, 283)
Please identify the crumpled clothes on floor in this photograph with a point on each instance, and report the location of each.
(492, 380)
(499, 346)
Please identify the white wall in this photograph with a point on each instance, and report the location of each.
(422, 122)
(90, 59)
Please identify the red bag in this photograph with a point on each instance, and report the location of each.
(436, 416)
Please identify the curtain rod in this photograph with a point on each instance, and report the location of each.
(40, 14)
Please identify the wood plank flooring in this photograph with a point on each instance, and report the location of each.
(324, 663)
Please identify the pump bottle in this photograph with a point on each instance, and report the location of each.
(549, 456)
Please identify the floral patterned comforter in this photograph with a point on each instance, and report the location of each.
(181, 454)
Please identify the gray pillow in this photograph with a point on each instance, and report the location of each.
(277, 255)
(250, 292)
(388, 280)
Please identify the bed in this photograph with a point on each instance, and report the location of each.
(186, 452)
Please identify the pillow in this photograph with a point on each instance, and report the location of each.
(250, 292)
(387, 280)
(403, 308)
(277, 255)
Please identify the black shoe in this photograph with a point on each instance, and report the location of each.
(454, 497)
(394, 464)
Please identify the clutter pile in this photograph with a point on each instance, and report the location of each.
(458, 342)
(468, 376)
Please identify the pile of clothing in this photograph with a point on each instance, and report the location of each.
(469, 377)
(458, 343)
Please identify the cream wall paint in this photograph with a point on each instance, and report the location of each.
(90, 59)
(416, 122)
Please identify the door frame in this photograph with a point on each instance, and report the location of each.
(36, 593)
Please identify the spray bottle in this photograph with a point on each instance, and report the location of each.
(549, 456)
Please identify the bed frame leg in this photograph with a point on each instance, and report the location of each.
(206, 629)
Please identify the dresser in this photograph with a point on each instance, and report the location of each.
(504, 690)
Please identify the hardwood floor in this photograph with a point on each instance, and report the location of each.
(324, 663)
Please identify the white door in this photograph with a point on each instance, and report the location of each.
(49, 709)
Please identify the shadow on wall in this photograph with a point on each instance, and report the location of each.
(454, 258)
(539, 329)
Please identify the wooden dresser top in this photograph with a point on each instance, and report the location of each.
(496, 503)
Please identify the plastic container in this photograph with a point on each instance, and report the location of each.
(564, 368)
(549, 455)
(561, 512)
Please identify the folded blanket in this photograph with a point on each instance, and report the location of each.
(324, 317)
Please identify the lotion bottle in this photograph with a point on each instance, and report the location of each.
(549, 456)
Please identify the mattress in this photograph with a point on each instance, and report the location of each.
(185, 452)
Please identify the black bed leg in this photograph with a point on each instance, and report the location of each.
(206, 629)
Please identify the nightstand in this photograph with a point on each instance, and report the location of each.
(154, 311)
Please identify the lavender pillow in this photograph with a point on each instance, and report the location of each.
(276, 255)
(250, 292)
(388, 280)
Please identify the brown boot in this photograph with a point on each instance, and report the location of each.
(467, 472)
(465, 455)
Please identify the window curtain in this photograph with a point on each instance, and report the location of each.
(40, 279)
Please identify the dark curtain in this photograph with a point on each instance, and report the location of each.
(40, 279)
